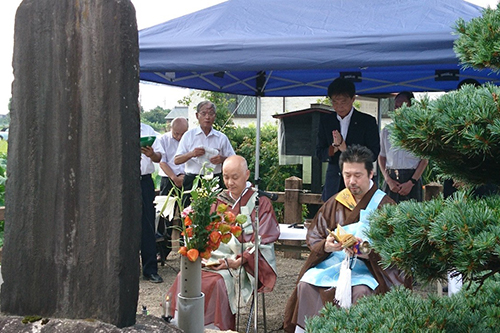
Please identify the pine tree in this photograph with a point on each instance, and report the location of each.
(460, 132)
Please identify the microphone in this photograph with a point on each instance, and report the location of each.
(272, 196)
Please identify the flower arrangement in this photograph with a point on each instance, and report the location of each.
(202, 228)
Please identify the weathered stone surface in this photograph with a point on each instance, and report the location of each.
(73, 201)
(145, 324)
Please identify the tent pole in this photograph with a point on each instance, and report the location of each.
(256, 228)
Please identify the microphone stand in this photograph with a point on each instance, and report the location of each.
(256, 229)
(256, 256)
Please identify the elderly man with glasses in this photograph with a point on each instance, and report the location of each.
(203, 146)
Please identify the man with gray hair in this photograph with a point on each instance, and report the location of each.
(203, 146)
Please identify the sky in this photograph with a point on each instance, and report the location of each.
(148, 13)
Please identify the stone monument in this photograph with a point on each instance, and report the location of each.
(73, 204)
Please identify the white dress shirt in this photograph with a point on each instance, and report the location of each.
(147, 166)
(344, 123)
(396, 158)
(169, 146)
(195, 138)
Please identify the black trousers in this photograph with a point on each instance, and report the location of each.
(148, 239)
(165, 186)
(188, 184)
(402, 176)
(164, 225)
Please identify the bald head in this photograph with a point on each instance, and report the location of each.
(235, 173)
(179, 127)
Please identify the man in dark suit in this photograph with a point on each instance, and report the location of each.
(342, 128)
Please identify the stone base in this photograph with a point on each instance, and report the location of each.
(144, 324)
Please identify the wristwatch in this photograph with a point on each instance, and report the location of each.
(413, 181)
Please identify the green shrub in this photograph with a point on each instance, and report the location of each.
(271, 173)
(2, 228)
(3, 177)
(477, 45)
(155, 118)
(430, 239)
(402, 310)
(3, 147)
(459, 132)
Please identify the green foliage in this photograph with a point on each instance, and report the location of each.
(478, 44)
(460, 132)
(324, 100)
(3, 177)
(271, 173)
(155, 118)
(430, 239)
(2, 229)
(186, 100)
(400, 310)
(430, 173)
(243, 140)
(3, 147)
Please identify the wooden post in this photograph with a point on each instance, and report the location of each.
(432, 190)
(293, 210)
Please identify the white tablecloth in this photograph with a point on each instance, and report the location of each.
(287, 233)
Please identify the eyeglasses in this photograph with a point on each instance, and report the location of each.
(341, 101)
(204, 114)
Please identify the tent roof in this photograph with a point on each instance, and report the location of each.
(297, 47)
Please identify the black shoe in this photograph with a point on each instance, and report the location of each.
(155, 278)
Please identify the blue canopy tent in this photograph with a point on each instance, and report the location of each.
(297, 47)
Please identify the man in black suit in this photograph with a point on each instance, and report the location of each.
(344, 127)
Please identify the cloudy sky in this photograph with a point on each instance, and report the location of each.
(149, 13)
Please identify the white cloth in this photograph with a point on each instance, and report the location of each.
(343, 292)
(344, 123)
(169, 146)
(454, 284)
(195, 138)
(147, 166)
(396, 158)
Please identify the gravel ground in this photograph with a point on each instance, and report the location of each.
(150, 294)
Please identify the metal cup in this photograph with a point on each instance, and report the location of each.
(365, 247)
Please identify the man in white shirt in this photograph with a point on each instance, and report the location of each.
(148, 240)
(401, 169)
(203, 146)
(171, 173)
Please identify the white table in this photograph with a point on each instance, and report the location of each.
(287, 233)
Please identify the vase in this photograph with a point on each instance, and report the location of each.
(191, 301)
